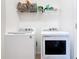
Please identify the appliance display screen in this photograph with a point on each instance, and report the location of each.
(55, 47)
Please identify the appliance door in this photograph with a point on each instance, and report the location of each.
(19, 47)
(55, 47)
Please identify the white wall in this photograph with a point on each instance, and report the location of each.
(3, 28)
(64, 19)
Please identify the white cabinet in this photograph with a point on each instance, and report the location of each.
(19, 46)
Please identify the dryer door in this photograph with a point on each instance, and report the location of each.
(55, 47)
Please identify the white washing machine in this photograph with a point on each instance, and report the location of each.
(19, 46)
(55, 45)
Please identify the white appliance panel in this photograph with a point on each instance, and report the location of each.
(19, 47)
(51, 38)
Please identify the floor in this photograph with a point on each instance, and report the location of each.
(38, 56)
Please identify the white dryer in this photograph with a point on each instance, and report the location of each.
(55, 45)
(19, 45)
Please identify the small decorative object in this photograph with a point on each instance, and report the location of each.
(48, 7)
(40, 9)
(33, 8)
(21, 7)
(27, 6)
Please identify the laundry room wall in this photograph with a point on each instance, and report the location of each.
(3, 28)
(64, 20)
